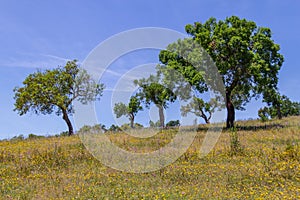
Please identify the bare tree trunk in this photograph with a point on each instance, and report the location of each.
(67, 120)
(161, 116)
(206, 120)
(203, 115)
(230, 112)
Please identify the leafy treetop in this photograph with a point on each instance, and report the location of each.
(54, 90)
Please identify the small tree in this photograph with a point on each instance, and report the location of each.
(55, 90)
(153, 124)
(130, 110)
(263, 114)
(173, 123)
(151, 91)
(200, 108)
(278, 106)
(274, 100)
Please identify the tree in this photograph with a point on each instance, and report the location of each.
(130, 110)
(45, 92)
(200, 108)
(154, 124)
(264, 114)
(151, 91)
(246, 56)
(280, 106)
(274, 100)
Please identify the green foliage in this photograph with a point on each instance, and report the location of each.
(200, 108)
(235, 145)
(263, 114)
(278, 106)
(45, 92)
(152, 91)
(98, 128)
(290, 108)
(128, 126)
(19, 137)
(154, 124)
(120, 109)
(125, 127)
(85, 129)
(173, 123)
(64, 133)
(138, 125)
(33, 136)
(156, 93)
(130, 110)
(114, 128)
(246, 56)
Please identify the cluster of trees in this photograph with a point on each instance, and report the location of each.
(245, 55)
(278, 106)
(171, 123)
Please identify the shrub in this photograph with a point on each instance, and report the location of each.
(235, 145)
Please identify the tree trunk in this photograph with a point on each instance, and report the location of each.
(279, 115)
(67, 120)
(205, 119)
(132, 121)
(230, 111)
(161, 116)
(203, 115)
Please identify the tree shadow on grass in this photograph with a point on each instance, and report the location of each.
(259, 127)
(248, 127)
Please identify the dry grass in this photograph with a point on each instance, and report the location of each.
(268, 167)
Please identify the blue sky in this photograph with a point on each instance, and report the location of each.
(44, 34)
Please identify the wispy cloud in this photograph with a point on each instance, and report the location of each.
(29, 60)
(55, 57)
(128, 88)
(111, 72)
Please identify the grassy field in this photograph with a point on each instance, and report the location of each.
(266, 166)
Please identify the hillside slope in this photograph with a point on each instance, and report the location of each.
(266, 167)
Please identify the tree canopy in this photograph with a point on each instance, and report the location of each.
(152, 91)
(45, 92)
(130, 110)
(200, 108)
(280, 106)
(173, 123)
(246, 56)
